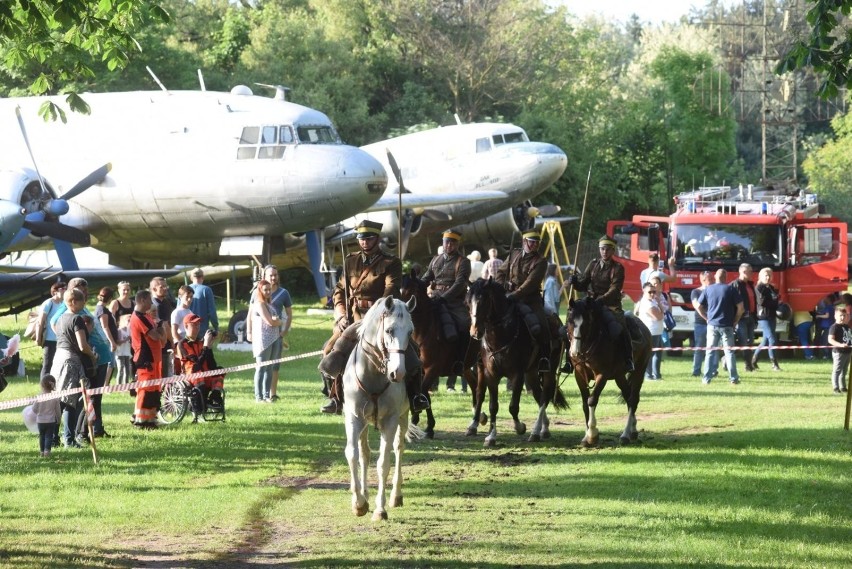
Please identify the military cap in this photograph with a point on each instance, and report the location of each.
(532, 234)
(454, 234)
(368, 228)
(606, 241)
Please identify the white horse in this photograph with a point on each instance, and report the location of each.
(374, 392)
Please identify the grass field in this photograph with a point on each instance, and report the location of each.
(754, 475)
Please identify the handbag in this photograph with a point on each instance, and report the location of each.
(669, 321)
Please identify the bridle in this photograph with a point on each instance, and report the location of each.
(583, 356)
(493, 319)
(379, 355)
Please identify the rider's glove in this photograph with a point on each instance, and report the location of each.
(342, 323)
(575, 279)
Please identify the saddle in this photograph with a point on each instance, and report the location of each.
(632, 324)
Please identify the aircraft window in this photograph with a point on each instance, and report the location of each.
(246, 152)
(483, 145)
(270, 152)
(250, 135)
(510, 137)
(286, 135)
(269, 135)
(316, 135)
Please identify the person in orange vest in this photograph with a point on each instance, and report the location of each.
(195, 356)
(147, 336)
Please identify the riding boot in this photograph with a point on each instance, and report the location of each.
(753, 363)
(334, 405)
(567, 366)
(413, 387)
(775, 366)
(628, 353)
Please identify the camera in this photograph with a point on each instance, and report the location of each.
(214, 333)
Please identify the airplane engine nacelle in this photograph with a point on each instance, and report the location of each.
(21, 187)
(498, 230)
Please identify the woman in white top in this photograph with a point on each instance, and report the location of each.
(650, 312)
(266, 329)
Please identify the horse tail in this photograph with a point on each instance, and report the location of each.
(414, 433)
(559, 401)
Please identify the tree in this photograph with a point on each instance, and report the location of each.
(828, 47)
(50, 43)
(829, 168)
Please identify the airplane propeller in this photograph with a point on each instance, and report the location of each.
(44, 221)
(406, 219)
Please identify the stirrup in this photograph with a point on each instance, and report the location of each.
(332, 407)
(543, 364)
(567, 367)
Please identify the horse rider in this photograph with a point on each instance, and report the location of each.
(521, 276)
(447, 276)
(603, 280)
(368, 275)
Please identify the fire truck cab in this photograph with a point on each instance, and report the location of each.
(723, 227)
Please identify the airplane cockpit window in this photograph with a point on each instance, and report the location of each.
(483, 145)
(316, 135)
(265, 143)
(511, 137)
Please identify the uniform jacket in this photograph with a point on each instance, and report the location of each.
(522, 275)
(448, 276)
(365, 281)
(604, 281)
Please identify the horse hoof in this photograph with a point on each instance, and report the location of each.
(396, 501)
(471, 432)
(430, 434)
(634, 436)
(624, 440)
(489, 443)
(588, 443)
(380, 516)
(360, 510)
(521, 428)
(545, 435)
(534, 439)
(482, 419)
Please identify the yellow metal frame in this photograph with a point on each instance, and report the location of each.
(554, 247)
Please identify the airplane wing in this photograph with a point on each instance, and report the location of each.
(390, 202)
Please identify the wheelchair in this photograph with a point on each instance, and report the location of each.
(181, 397)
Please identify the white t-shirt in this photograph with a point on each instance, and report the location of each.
(177, 318)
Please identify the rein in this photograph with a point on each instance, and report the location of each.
(505, 320)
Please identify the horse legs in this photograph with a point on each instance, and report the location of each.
(592, 432)
(493, 406)
(515, 403)
(630, 392)
(354, 430)
(478, 398)
(398, 448)
(382, 467)
(540, 429)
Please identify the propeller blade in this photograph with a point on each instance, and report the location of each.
(406, 233)
(397, 173)
(66, 255)
(59, 231)
(46, 189)
(545, 210)
(87, 182)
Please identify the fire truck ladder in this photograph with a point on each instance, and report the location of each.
(555, 249)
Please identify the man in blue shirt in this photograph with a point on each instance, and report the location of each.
(203, 303)
(722, 307)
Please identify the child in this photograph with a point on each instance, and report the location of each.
(47, 416)
(840, 336)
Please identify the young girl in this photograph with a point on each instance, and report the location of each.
(265, 329)
(47, 416)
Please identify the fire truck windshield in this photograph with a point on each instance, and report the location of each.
(711, 244)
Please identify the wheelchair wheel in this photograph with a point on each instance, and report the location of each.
(174, 402)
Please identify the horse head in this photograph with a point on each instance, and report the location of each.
(414, 287)
(386, 329)
(583, 316)
(487, 302)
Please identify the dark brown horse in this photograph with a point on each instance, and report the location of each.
(508, 350)
(436, 353)
(597, 358)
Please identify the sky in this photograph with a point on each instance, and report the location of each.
(654, 11)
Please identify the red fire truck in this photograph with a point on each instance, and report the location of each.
(722, 227)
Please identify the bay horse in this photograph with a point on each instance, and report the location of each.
(597, 358)
(508, 350)
(374, 388)
(436, 353)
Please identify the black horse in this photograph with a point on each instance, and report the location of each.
(508, 350)
(436, 353)
(596, 358)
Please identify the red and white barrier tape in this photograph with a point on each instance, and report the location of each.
(24, 401)
(754, 347)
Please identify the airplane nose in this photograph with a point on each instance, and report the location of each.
(551, 156)
(358, 165)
